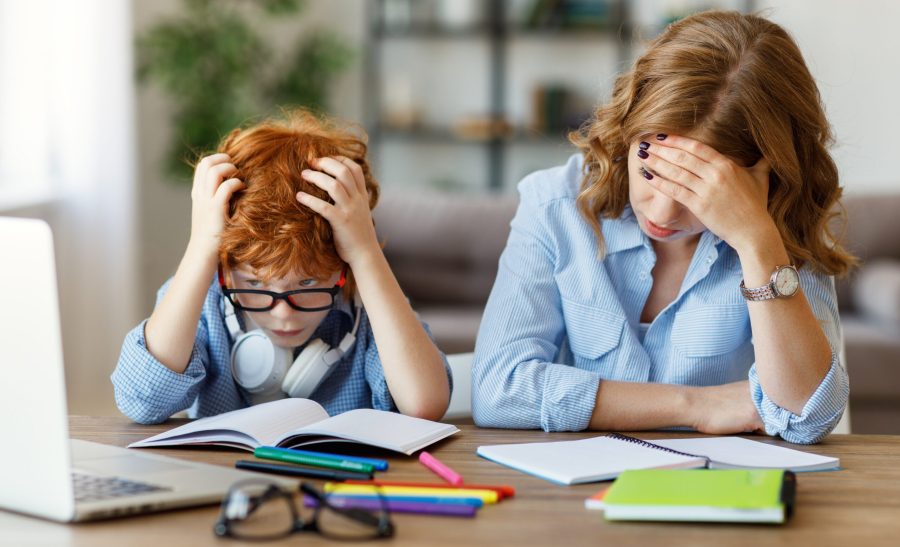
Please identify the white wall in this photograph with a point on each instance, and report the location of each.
(74, 76)
(851, 49)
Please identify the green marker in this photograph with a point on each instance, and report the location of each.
(284, 455)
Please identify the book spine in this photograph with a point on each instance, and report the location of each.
(788, 492)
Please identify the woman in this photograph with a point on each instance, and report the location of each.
(677, 272)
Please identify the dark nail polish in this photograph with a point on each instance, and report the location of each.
(661, 136)
(644, 145)
(643, 154)
(646, 174)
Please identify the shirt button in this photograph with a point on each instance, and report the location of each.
(643, 275)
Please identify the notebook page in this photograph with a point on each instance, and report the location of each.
(256, 425)
(586, 460)
(390, 430)
(737, 452)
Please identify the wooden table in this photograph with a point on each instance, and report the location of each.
(857, 506)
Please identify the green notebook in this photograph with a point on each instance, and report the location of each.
(701, 495)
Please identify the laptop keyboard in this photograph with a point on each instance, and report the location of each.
(95, 488)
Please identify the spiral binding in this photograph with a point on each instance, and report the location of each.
(641, 442)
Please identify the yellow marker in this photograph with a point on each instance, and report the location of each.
(487, 496)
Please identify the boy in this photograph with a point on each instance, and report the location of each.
(302, 303)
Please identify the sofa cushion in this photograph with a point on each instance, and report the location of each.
(876, 292)
(454, 328)
(871, 352)
(869, 232)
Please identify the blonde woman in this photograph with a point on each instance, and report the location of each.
(677, 272)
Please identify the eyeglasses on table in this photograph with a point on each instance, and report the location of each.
(257, 509)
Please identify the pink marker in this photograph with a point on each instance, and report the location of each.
(440, 469)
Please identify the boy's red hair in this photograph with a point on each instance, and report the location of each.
(266, 227)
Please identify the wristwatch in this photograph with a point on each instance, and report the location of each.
(784, 283)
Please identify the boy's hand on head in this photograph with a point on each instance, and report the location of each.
(212, 190)
(729, 199)
(349, 216)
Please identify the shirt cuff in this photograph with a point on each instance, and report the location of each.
(569, 398)
(148, 391)
(820, 414)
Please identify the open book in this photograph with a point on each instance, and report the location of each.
(605, 457)
(294, 422)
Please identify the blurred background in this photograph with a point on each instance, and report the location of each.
(101, 102)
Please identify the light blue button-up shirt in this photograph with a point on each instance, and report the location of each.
(559, 321)
(149, 392)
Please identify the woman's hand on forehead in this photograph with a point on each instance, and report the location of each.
(729, 199)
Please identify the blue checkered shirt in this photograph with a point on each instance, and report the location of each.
(559, 321)
(149, 392)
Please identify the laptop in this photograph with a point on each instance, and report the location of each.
(42, 471)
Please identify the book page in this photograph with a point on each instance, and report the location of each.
(253, 426)
(390, 430)
(737, 452)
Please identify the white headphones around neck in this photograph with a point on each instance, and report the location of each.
(266, 371)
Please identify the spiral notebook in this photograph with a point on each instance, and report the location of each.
(605, 457)
(588, 460)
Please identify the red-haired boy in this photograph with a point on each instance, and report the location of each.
(302, 301)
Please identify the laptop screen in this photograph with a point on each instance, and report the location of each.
(34, 460)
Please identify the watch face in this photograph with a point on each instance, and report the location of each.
(787, 281)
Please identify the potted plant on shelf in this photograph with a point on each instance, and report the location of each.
(218, 70)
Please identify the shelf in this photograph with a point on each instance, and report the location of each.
(430, 32)
(433, 32)
(446, 136)
(504, 32)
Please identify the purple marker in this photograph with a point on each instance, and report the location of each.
(396, 506)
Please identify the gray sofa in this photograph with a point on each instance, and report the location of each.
(444, 248)
(869, 300)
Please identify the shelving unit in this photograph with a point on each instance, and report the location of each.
(498, 35)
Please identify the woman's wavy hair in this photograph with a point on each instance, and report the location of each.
(266, 227)
(741, 82)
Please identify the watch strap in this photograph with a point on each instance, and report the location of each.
(766, 292)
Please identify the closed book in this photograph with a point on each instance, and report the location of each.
(765, 496)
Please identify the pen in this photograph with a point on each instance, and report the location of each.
(298, 471)
(290, 456)
(503, 490)
(379, 465)
(440, 469)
